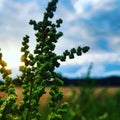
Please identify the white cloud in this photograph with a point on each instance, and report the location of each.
(111, 73)
(15, 19)
(67, 43)
(86, 8)
(97, 70)
(80, 6)
(1, 4)
(26, 10)
(64, 44)
(67, 15)
(114, 43)
(18, 13)
(21, 10)
(100, 58)
(78, 30)
(14, 25)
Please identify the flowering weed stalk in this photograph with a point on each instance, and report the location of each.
(38, 68)
(8, 106)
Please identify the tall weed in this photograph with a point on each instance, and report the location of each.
(38, 68)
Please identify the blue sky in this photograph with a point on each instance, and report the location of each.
(86, 22)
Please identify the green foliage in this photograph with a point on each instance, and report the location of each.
(38, 68)
(91, 105)
(8, 105)
(88, 104)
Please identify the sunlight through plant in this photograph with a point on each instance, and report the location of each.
(37, 70)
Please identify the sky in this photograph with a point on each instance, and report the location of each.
(94, 23)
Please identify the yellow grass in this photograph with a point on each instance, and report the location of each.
(67, 93)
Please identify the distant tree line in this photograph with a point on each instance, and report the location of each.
(107, 81)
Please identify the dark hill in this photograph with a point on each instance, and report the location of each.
(107, 81)
(112, 81)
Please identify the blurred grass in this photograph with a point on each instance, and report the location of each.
(90, 103)
(85, 103)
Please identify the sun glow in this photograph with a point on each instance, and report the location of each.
(12, 57)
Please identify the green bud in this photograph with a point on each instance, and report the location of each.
(58, 25)
(54, 8)
(79, 53)
(85, 49)
(38, 46)
(23, 43)
(61, 111)
(59, 81)
(43, 83)
(33, 102)
(73, 50)
(26, 37)
(62, 58)
(51, 34)
(59, 21)
(50, 15)
(66, 52)
(32, 22)
(52, 93)
(46, 48)
(22, 49)
(26, 46)
(45, 16)
(26, 52)
(79, 49)
(36, 27)
(38, 34)
(37, 51)
(58, 35)
(40, 24)
(57, 64)
(0, 55)
(26, 97)
(31, 63)
(47, 40)
(52, 47)
(52, 104)
(38, 39)
(64, 105)
(53, 25)
(31, 56)
(71, 56)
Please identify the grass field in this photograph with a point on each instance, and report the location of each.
(67, 92)
(101, 103)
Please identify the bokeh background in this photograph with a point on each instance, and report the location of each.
(95, 23)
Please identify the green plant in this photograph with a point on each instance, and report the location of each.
(87, 104)
(8, 105)
(38, 68)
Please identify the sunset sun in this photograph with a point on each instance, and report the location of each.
(12, 57)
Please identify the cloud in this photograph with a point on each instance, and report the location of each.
(16, 15)
(81, 6)
(115, 43)
(1, 4)
(86, 8)
(85, 22)
(98, 70)
(99, 57)
(67, 14)
(99, 22)
(80, 71)
(111, 73)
